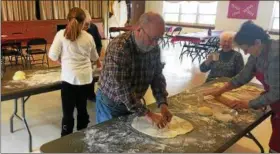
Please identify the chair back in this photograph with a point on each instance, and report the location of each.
(214, 41)
(10, 48)
(168, 29)
(113, 30)
(10, 45)
(37, 41)
(176, 31)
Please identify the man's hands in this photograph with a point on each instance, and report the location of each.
(160, 120)
(166, 115)
(156, 119)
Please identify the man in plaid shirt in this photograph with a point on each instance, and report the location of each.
(132, 64)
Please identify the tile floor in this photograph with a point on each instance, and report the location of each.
(44, 111)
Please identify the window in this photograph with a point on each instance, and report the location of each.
(275, 17)
(190, 12)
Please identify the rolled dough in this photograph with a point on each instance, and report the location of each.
(177, 126)
(205, 111)
(19, 75)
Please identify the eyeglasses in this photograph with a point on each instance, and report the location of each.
(153, 39)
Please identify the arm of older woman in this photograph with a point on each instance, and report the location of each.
(206, 65)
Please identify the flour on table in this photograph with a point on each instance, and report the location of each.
(40, 77)
(208, 97)
(177, 126)
(117, 140)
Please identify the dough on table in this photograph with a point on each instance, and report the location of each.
(219, 84)
(251, 88)
(208, 97)
(223, 117)
(177, 126)
(205, 111)
(248, 88)
(19, 75)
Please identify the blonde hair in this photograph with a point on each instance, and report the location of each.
(76, 18)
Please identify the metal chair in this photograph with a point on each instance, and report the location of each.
(37, 51)
(23, 46)
(201, 50)
(10, 50)
(118, 30)
(113, 30)
(165, 37)
(176, 31)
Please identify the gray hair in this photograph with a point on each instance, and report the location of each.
(227, 35)
(150, 17)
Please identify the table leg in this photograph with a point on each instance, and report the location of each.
(13, 115)
(252, 137)
(23, 119)
(23, 101)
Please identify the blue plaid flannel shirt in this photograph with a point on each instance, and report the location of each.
(128, 72)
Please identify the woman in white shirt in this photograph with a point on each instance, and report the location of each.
(75, 49)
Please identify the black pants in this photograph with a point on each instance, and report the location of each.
(91, 95)
(74, 96)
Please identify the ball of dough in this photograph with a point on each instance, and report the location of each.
(205, 111)
(19, 75)
(223, 117)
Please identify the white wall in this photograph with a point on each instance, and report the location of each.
(155, 6)
(265, 11)
(120, 14)
(118, 19)
(263, 17)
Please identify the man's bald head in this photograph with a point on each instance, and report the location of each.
(151, 21)
(149, 30)
(150, 18)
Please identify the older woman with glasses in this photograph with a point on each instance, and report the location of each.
(225, 63)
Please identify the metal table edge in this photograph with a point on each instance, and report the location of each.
(243, 133)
